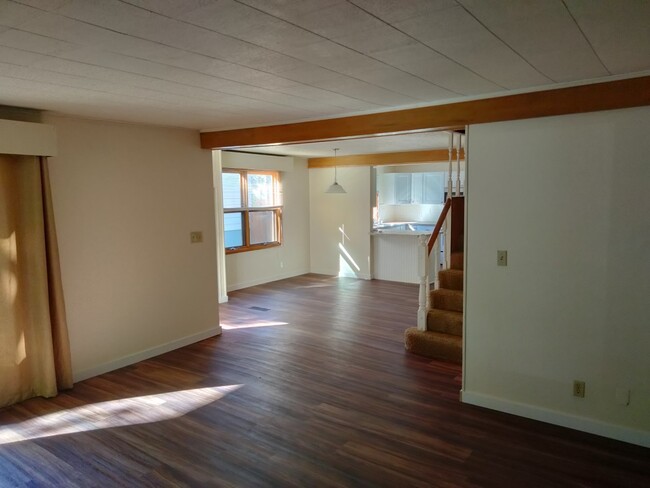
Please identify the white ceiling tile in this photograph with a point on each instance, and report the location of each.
(456, 34)
(350, 27)
(429, 65)
(240, 21)
(292, 11)
(406, 83)
(172, 8)
(618, 30)
(220, 63)
(367, 92)
(70, 30)
(29, 41)
(268, 61)
(19, 56)
(167, 80)
(544, 33)
(333, 82)
(393, 12)
(112, 14)
(330, 97)
(14, 14)
(335, 20)
(328, 55)
(309, 74)
(375, 39)
(49, 5)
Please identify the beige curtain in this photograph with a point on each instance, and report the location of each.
(34, 347)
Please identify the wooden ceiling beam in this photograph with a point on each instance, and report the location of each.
(631, 92)
(381, 159)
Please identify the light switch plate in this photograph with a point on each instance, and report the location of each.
(502, 258)
(196, 237)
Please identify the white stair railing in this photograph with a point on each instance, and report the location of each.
(425, 247)
(428, 245)
(424, 301)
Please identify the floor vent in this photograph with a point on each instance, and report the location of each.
(261, 309)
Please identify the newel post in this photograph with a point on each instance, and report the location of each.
(423, 271)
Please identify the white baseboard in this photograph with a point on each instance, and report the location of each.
(146, 354)
(625, 434)
(290, 274)
(266, 279)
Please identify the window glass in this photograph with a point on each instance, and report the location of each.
(403, 188)
(434, 188)
(231, 184)
(260, 190)
(262, 227)
(233, 229)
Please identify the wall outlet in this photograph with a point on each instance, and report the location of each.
(502, 258)
(196, 237)
(579, 389)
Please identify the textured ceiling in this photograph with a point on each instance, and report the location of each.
(224, 64)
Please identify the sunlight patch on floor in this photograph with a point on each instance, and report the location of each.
(247, 325)
(115, 413)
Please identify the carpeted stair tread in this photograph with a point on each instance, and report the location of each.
(435, 345)
(445, 299)
(452, 279)
(445, 322)
(457, 260)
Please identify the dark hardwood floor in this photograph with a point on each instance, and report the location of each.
(308, 386)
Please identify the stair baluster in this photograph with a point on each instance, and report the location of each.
(424, 301)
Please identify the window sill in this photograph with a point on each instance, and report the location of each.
(256, 247)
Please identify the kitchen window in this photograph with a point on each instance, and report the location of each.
(252, 210)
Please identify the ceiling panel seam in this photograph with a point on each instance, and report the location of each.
(504, 42)
(585, 36)
(258, 46)
(224, 60)
(362, 53)
(428, 47)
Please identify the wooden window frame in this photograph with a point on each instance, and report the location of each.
(245, 210)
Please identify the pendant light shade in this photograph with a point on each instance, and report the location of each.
(335, 187)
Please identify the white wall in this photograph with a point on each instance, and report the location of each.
(30, 138)
(350, 211)
(292, 257)
(568, 198)
(126, 198)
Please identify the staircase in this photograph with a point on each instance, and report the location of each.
(442, 335)
(443, 338)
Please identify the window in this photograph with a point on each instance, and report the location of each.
(403, 188)
(252, 211)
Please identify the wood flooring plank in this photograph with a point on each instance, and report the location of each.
(325, 397)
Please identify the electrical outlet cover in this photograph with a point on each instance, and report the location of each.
(579, 389)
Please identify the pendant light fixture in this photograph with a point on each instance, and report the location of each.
(335, 187)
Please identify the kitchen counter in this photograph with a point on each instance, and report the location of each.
(403, 228)
(395, 255)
